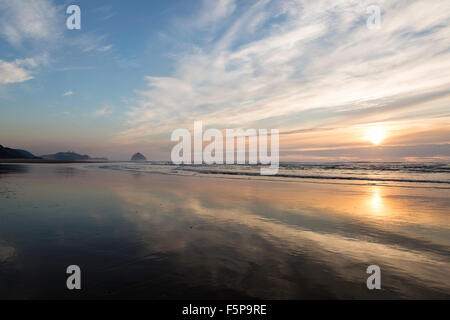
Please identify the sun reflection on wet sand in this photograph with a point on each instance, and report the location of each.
(376, 202)
(294, 225)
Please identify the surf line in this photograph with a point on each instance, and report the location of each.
(257, 141)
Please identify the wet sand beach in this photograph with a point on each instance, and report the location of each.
(157, 236)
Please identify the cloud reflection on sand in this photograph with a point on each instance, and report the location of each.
(307, 220)
(159, 236)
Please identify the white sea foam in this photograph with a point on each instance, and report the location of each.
(423, 174)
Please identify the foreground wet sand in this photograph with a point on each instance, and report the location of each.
(173, 237)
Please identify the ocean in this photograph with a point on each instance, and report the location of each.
(380, 173)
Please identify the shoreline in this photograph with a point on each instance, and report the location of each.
(243, 175)
(26, 161)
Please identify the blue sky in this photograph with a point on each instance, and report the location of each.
(137, 70)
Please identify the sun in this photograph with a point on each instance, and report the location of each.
(376, 135)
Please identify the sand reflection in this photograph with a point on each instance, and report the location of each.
(156, 236)
(339, 227)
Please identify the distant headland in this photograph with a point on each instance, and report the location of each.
(9, 153)
(20, 155)
(71, 156)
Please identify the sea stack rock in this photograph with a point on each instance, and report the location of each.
(138, 157)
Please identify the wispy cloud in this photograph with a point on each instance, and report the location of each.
(104, 48)
(106, 12)
(300, 65)
(19, 70)
(30, 27)
(29, 20)
(68, 93)
(78, 68)
(91, 43)
(214, 12)
(103, 111)
(38, 27)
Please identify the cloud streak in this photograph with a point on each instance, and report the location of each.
(19, 70)
(103, 111)
(28, 20)
(302, 65)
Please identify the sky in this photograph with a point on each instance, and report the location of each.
(138, 70)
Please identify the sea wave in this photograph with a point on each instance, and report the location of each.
(392, 173)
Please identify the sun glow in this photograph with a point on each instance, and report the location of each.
(376, 135)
